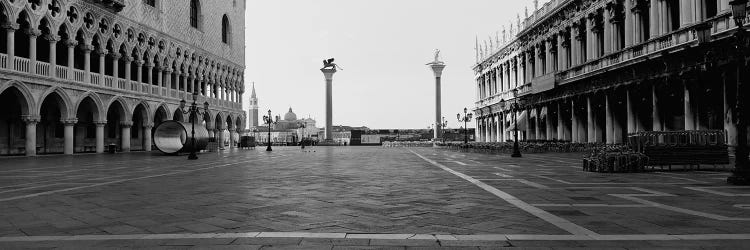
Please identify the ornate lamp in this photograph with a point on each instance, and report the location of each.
(739, 11)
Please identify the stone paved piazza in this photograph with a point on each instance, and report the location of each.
(343, 197)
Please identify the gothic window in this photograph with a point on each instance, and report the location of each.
(194, 13)
(225, 30)
(151, 3)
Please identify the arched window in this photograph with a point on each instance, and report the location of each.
(225, 29)
(194, 13)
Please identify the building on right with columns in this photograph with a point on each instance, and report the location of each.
(594, 71)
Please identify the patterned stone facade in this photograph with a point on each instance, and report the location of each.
(76, 75)
(597, 70)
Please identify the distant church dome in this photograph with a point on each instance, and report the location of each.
(290, 116)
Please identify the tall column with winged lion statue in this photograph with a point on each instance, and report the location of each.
(437, 67)
(329, 68)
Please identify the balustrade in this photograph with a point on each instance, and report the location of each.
(61, 72)
(108, 81)
(42, 68)
(21, 64)
(79, 75)
(4, 61)
(95, 79)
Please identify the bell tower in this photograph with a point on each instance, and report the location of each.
(252, 116)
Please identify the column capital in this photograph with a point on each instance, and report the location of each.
(127, 58)
(116, 56)
(10, 26)
(149, 65)
(29, 119)
(52, 38)
(126, 123)
(32, 32)
(69, 122)
(70, 43)
(148, 125)
(102, 51)
(87, 48)
(100, 123)
(139, 63)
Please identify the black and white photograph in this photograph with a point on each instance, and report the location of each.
(374, 124)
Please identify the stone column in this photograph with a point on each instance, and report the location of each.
(68, 135)
(87, 62)
(632, 123)
(115, 67)
(437, 70)
(609, 127)
(71, 56)
(654, 18)
(147, 136)
(574, 122)
(159, 82)
(128, 70)
(149, 73)
(548, 133)
(102, 57)
(629, 22)
(100, 136)
(560, 123)
(31, 122)
(52, 56)
(686, 12)
(139, 71)
(657, 126)
(538, 124)
(591, 128)
(184, 81)
(33, 34)
(125, 136)
(688, 108)
(328, 73)
(10, 43)
(502, 136)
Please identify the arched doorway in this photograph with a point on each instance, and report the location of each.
(113, 129)
(85, 130)
(12, 127)
(51, 131)
(138, 135)
(228, 135)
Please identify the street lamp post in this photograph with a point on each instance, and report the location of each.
(194, 112)
(302, 141)
(443, 126)
(269, 120)
(514, 107)
(466, 118)
(741, 173)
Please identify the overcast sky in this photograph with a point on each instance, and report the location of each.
(382, 46)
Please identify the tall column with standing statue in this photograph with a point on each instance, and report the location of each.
(437, 67)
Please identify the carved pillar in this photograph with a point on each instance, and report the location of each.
(115, 67)
(100, 136)
(147, 136)
(33, 34)
(10, 43)
(52, 55)
(71, 56)
(139, 71)
(31, 122)
(102, 55)
(125, 135)
(87, 62)
(68, 135)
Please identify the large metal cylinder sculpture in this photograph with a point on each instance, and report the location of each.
(172, 137)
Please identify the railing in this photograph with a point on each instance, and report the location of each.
(95, 79)
(145, 88)
(135, 86)
(61, 72)
(122, 84)
(79, 75)
(42, 68)
(21, 64)
(108, 81)
(4, 61)
(154, 90)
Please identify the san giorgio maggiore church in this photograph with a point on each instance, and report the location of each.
(77, 75)
(286, 129)
(596, 70)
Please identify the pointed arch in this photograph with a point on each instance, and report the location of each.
(143, 106)
(226, 30)
(122, 107)
(28, 104)
(99, 114)
(161, 114)
(64, 101)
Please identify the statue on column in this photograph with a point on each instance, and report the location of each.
(437, 55)
(328, 63)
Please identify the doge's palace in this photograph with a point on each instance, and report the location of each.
(78, 75)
